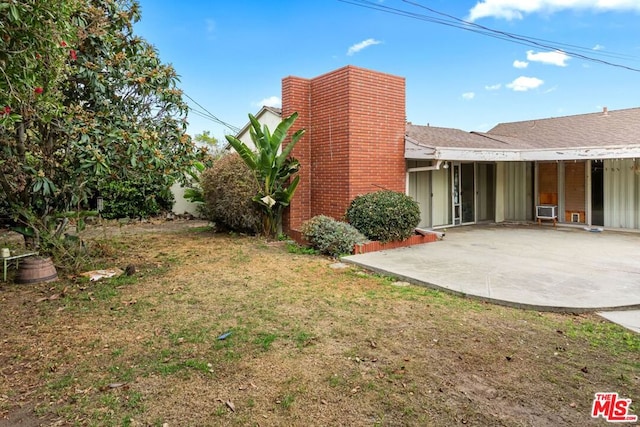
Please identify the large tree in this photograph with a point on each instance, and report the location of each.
(83, 101)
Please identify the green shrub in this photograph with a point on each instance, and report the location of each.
(331, 237)
(228, 187)
(384, 215)
(137, 198)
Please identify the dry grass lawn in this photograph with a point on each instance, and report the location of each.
(308, 345)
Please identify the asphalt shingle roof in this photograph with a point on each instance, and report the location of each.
(603, 129)
(612, 128)
(432, 136)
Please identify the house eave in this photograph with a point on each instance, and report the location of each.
(415, 151)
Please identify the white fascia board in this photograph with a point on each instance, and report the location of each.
(465, 154)
(418, 152)
(415, 151)
(584, 153)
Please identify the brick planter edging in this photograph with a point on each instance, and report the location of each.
(296, 235)
(378, 246)
(375, 246)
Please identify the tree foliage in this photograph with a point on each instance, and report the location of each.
(85, 102)
(210, 142)
(193, 188)
(142, 198)
(273, 168)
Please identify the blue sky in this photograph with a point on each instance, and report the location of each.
(232, 55)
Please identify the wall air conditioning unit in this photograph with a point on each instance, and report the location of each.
(547, 211)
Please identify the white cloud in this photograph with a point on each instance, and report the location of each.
(363, 44)
(468, 95)
(520, 64)
(272, 101)
(598, 47)
(516, 9)
(523, 84)
(493, 87)
(555, 57)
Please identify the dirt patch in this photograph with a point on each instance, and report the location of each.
(101, 228)
(26, 417)
(308, 345)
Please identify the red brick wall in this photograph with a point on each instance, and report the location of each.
(574, 189)
(354, 144)
(376, 132)
(330, 147)
(296, 92)
(548, 183)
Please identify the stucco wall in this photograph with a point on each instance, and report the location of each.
(266, 118)
(181, 205)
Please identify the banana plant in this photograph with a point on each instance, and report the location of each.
(273, 168)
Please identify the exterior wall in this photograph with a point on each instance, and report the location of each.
(181, 205)
(547, 183)
(441, 190)
(486, 196)
(266, 118)
(419, 188)
(432, 189)
(377, 123)
(296, 94)
(500, 191)
(518, 187)
(330, 111)
(564, 184)
(354, 143)
(622, 193)
(575, 191)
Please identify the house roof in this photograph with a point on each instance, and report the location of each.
(431, 136)
(263, 110)
(606, 128)
(273, 110)
(608, 134)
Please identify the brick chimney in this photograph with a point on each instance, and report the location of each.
(354, 143)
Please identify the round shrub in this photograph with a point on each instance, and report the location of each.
(331, 237)
(384, 215)
(228, 187)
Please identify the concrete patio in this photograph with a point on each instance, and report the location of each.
(528, 266)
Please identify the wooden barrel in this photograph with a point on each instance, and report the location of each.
(36, 270)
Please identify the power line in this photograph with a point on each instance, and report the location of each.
(205, 116)
(452, 21)
(537, 42)
(208, 115)
(202, 115)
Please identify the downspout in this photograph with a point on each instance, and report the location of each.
(429, 168)
(445, 165)
(406, 183)
(422, 169)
